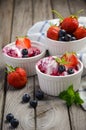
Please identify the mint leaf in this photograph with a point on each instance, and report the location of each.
(70, 96)
(78, 100)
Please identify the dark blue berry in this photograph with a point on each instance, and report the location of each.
(9, 117)
(62, 38)
(33, 103)
(24, 56)
(14, 123)
(26, 98)
(67, 37)
(70, 71)
(61, 68)
(39, 95)
(73, 38)
(24, 52)
(62, 33)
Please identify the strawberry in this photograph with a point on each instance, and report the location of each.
(80, 32)
(71, 60)
(53, 32)
(69, 24)
(23, 42)
(16, 77)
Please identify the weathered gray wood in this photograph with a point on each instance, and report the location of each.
(60, 6)
(77, 5)
(6, 8)
(22, 18)
(23, 112)
(41, 10)
(52, 113)
(78, 118)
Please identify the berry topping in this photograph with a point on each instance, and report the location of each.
(70, 71)
(61, 68)
(62, 32)
(23, 42)
(53, 32)
(33, 103)
(24, 52)
(14, 123)
(39, 95)
(26, 98)
(9, 117)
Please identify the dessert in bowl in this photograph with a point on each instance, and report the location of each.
(23, 53)
(56, 74)
(66, 36)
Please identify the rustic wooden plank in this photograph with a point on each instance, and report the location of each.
(22, 111)
(22, 19)
(6, 9)
(60, 6)
(2, 75)
(76, 5)
(78, 118)
(41, 10)
(51, 113)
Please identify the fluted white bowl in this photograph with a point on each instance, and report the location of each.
(53, 85)
(60, 47)
(27, 63)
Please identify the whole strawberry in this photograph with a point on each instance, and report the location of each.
(23, 42)
(16, 77)
(53, 32)
(80, 32)
(69, 24)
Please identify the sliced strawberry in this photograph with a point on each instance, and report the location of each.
(80, 32)
(71, 59)
(23, 42)
(53, 32)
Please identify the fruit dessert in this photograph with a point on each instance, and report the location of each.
(68, 29)
(21, 49)
(67, 64)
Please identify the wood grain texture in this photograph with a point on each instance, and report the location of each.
(41, 10)
(52, 113)
(22, 111)
(77, 5)
(61, 7)
(22, 18)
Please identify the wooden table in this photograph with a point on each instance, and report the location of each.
(16, 17)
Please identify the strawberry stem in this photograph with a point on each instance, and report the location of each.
(58, 15)
(11, 69)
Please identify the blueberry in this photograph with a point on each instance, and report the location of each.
(26, 98)
(73, 38)
(9, 117)
(24, 52)
(39, 95)
(62, 32)
(24, 56)
(14, 123)
(62, 38)
(70, 71)
(61, 68)
(68, 37)
(33, 103)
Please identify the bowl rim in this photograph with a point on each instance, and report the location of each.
(34, 57)
(51, 76)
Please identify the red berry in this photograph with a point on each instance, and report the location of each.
(69, 24)
(53, 32)
(80, 32)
